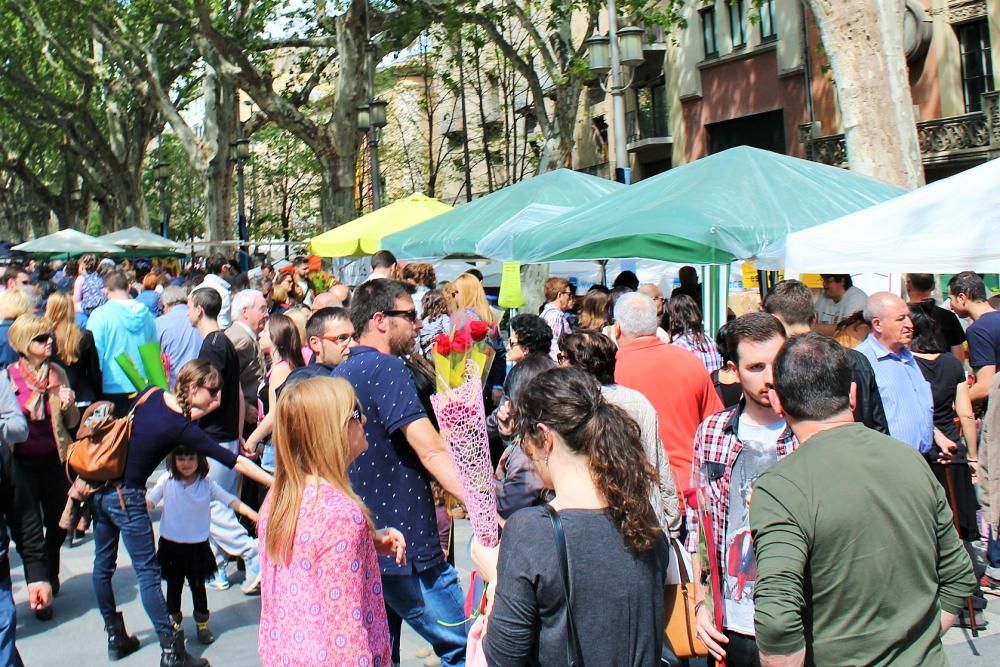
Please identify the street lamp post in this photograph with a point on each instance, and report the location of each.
(376, 121)
(607, 55)
(242, 146)
(162, 173)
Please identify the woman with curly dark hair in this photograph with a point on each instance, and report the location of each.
(589, 452)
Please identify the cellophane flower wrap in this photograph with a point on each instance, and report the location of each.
(461, 416)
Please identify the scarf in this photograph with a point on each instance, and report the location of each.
(40, 383)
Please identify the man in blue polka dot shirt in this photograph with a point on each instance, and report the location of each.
(393, 476)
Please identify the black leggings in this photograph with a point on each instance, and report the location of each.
(40, 496)
(175, 586)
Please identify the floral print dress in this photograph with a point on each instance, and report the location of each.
(325, 606)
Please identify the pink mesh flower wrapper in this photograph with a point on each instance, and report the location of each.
(462, 419)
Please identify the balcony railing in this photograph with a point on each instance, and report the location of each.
(969, 137)
(646, 123)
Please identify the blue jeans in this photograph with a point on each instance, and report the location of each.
(422, 599)
(135, 528)
(8, 624)
(993, 555)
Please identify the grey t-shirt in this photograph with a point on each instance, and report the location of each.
(617, 594)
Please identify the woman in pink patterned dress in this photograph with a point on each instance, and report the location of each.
(321, 590)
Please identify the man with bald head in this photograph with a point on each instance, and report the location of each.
(325, 300)
(906, 395)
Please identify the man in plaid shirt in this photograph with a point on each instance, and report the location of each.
(731, 448)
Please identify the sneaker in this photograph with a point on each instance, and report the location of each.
(989, 584)
(220, 580)
(251, 584)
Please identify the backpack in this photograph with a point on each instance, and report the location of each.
(92, 293)
(101, 448)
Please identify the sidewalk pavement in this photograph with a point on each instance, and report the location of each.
(76, 634)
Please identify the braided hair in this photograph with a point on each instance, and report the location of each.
(193, 374)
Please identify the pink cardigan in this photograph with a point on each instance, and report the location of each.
(324, 607)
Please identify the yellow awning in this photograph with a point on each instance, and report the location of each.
(363, 236)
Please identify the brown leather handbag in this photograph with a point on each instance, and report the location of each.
(681, 629)
(101, 448)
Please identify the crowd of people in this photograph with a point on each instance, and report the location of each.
(818, 467)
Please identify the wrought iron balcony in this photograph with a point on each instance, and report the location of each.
(971, 137)
(646, 123)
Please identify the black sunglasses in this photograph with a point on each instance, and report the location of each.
(410, 315)
(213, 391)
(43, 339)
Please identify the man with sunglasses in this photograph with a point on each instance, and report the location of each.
(393, 476)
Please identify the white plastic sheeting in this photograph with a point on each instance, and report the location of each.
(947, 226)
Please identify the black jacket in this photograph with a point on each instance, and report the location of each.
(868, 409)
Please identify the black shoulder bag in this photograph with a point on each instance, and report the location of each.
(573, 653)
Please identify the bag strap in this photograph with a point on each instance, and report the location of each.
(141, 400)
(682, 571)
(573, 652)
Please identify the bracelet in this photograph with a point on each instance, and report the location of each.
(698, 605)
(972, 460)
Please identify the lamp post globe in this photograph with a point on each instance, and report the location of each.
(599, 54)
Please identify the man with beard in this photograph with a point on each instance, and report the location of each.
(731, 448)
(906, 396)
(393, 476)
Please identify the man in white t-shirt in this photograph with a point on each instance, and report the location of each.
(731, 449)
(840, 299)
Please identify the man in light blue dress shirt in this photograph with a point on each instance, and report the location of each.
(906, 395)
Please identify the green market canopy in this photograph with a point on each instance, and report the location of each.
(140, 242)
(455, 234)
(68, 243)
(729, 206)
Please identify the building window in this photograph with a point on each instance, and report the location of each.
(768, 32)
(977, 69)
(708, 32)
(736, 26)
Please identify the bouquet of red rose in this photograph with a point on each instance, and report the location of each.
(461, 361)
(452, 352)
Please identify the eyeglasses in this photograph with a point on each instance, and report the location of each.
(410, 315)
(42, 339)
(213, 391)
(342, 339)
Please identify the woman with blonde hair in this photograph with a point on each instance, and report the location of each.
(13, 304)
(466, 294)
(321, 596)
(47, 401)
(75, 349)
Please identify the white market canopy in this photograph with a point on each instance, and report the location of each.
(134, 238)
(948, 226)
(67, 242)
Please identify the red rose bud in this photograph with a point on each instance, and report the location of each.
(442, 344)
(462, 341)
(478, 330)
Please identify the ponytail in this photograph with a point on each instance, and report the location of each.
(612, 441)
(569, 402)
